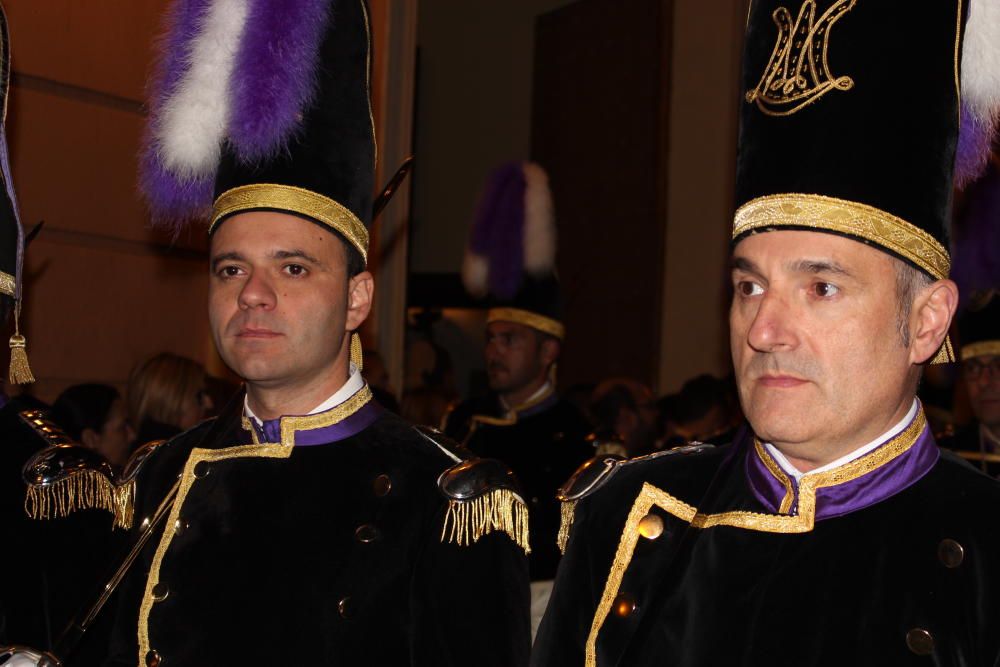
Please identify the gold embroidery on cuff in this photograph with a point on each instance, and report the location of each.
(299, 200)
(803, 522)
(846, 217)
(527, 318)
(797, 73)
(8, 285)
(985, 348)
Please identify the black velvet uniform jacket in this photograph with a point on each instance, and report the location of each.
(911, 580)
(319, 555)
(543, 447)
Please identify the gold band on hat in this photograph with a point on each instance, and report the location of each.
(527, 318)
(845, 217)
(984, 348)
(294, 200)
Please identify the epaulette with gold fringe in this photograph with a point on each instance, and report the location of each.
(592, 475)
(482, 498)
(66, 477)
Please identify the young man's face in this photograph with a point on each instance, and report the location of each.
(819, 359)
(982, 381)
(280, 302)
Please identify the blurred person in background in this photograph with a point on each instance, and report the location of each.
(704, 410)
(94, 415)
(166, 396)
(625, 412)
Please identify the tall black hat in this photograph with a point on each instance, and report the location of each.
(11, 231)
(850, 119)
(264, 106)
(510, 258)
(979, 326)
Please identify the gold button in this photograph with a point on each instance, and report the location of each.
(160, 592)
(366, 533)
(201, 469)
(920, 641)
(651, 526)
(382, 485)
(624, 605)
(344, 607)
(153, 659)
(950, 553)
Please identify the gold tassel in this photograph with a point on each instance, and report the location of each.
(946, 354)
(468, 520)
(567, 512)
(357, 354)
(86, 489)
(20, 371)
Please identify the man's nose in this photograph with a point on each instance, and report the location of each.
(257, 292)
(773, 326)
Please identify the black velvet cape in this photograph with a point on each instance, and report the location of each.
(846, 593)
(269, 566)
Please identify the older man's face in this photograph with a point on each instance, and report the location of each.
(820, 363)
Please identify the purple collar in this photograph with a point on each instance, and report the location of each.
(338, 423)
(885, 471)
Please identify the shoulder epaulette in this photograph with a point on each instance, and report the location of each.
(594, 474)
(482, 496)
(65, 476)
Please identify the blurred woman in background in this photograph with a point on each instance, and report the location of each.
(94, 415)
(166, 396)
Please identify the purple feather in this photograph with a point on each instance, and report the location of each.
(498, 229)
(172, 202)
(976, 236)
(975, 140)
(274, 78)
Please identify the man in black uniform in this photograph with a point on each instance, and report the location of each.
(522, 421)
(305, 525)
(979, 335)
(833, 531)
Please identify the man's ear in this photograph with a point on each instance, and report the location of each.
(549, 351)
(360, 291)
(930, 318)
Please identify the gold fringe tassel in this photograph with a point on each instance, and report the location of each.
(468, 520)
(87, 489)
(567, 512)
(20, 371)
(357, 354)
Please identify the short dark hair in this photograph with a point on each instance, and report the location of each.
(83, 406)
(606, 409)
(909, 281)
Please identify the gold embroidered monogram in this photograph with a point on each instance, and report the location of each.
(798, 73)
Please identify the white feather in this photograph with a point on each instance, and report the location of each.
(539, 221)
(475, 273)
(193, 121)
(981, 59)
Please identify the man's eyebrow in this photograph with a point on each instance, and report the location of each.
(743, 264)
(226, 257)
(819, 266)
(295, 253)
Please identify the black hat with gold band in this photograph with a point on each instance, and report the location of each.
(11, 232)
(850, 121)
(510, 258)
(979, 326)
(264, 106)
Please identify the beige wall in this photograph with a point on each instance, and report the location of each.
(703, 121)
(102, 290)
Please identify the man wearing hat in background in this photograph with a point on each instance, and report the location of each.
(306, 525)
(834, 531)
(979, 335)
(523, 421)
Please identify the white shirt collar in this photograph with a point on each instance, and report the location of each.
(353, 385)
(538, 394)
(794, 472)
